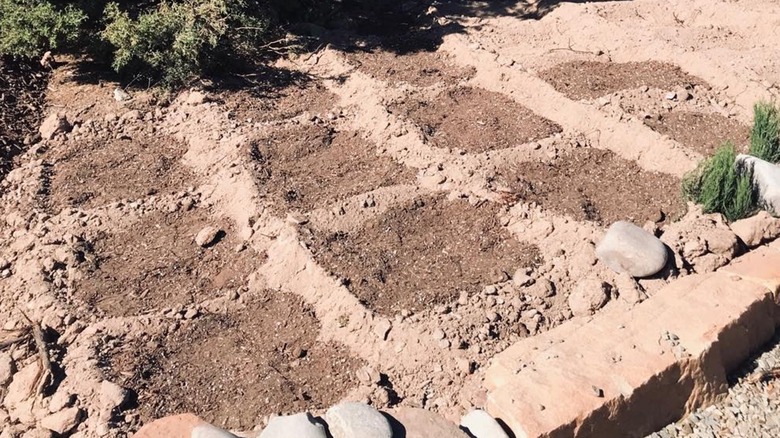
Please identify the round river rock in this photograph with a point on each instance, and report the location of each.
(627, 248)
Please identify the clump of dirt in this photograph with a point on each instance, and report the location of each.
(701, 132)
(103, 169)
(421, 254)
(22, 90)
(596, 185)
(156, 265)
(475, 120)
(592, 79)
(234, 369)
(284, 103)
(309, 166)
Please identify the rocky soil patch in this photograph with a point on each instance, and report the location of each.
(263, 356)
(595, 185)
(422, 253)
(474, 120)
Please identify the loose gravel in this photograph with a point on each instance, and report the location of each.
(751, 408)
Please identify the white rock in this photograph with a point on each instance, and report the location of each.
(480, 424)
(63, 421)
(54, 124)
(766, 179)
(209, 431)
(111, 395)
(350, 420)
(120, 95)
(630, 249)
(589, 295)
(6, 368)
(196, 98)
(299, 425)
(757, 229)
(22, 385)
(207, 236)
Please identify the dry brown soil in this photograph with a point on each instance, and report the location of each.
(233, 369)
(703, 133)
(595, 185)
(422, 254)
(592, 79)
(155, 265)
(290, 101)
(304, 167)
(474, 120)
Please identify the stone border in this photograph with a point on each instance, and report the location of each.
(632, 373)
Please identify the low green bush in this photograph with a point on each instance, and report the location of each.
(721, 186)
(765, 136)
(29, 28)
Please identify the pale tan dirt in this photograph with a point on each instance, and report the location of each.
(98, 224)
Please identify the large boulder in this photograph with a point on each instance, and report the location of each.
(766, 180)
(757, 229)
(299, 425)
(627, 248)
(480, 424)
(421, 423)
(181, 426)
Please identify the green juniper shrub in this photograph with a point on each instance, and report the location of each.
(30, 27)
(721, 186)
(765, 136)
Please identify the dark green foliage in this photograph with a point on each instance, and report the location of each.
(765, 137)
(29, 27)
(720, 186)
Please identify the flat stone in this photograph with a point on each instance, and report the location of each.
(480, 424)
(645, 380)
(63, 421)
(542, 288)
(421, 423)
(589, 295)
(54, 124)
(207, 236)
(630, 249)
(299, 425)
(174, 426)
(6, 368)
(22, 385)
(755, 230)
(766, 180)
(350, 419)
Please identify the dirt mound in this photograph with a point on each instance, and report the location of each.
(422, 254)
(596, 185)
(474, 120)
(304, 167)
(285, 103)
(592, 79)
(263, 358)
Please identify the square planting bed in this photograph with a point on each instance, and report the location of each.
(422, 253)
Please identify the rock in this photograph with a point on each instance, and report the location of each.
(421, 423)
(38, 432)
(670, 95)
(47, 59)
(63, 421)
(299, 425)
(208, 431)
(589, 295)
(628, 289)
(196, 98)
(521, 279)
(683, 95)
(543, 288)
(480, 424)
(53, 125)
(207, 236)
(181, 426)
(766, 180)
(382, 328)
(111, 395)
(22, 385)
(297, 219)
(756, 230)
(630, 249)
(350, 419)
(120, 95)
(61, 400)
(4, 263)
(6, 368)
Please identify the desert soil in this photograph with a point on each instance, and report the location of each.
(393, 208)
